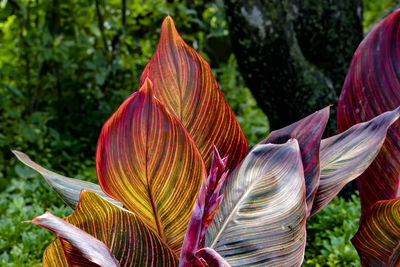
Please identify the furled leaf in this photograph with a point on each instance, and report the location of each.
(372, 86)
(147, 160)
(347, 155)
(262, 218)
(67, 188)
(184, 83)
(308, 133)
(204, 210)
(211, 258)
(378, 238)
(90, 248)
(128, 238)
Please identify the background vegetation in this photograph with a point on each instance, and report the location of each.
(65, 66)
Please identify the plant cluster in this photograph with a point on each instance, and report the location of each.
(174, 156)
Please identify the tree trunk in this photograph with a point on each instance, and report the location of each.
(294, 54)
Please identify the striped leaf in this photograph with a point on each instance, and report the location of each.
(261, 220)
(184, 83)
(372, 86)
(97, 226)
(377, 239)
(147, 160)
(67, 188)
(347, 155)
(308, 133)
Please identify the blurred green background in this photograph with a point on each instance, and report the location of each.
(65, 66)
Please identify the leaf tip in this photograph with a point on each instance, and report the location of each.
(147, 87)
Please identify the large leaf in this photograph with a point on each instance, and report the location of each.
(184, 83)
(347, 155)
(67, 188)
(147, 160)
(308, 133)
(209, 257)
(261, 220)
(378, 239)
(372, 86)
(97, 220)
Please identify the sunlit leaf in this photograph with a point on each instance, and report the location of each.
(67, 188)
(147, 160)
(377, 239)
(347, 155)
(372, 86)
(308, 133)
(126, 236)
(184, 83)
(261, 220)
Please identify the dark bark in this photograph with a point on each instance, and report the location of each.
(294, 54)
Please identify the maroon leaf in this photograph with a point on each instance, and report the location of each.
(372, 86)
(308, 132)
(347, 155)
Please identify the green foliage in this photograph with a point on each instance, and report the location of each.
(374, 10)
(329, 233)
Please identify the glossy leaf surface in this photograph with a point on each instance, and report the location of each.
(128, 238)
(308, 133)
(184, 83)
(377, 240)
(347, 155)
(372, 86)
(261, 220)
(146, 159)
(67, 188)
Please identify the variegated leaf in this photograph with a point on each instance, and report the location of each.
(347, 155)
(308, 133)
(378, 239)
(67, 188)
(184, 83)
(147, 160)
(127, 237)
(261, 220)
(372, 86)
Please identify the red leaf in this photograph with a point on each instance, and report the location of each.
(147, 160)
(372, 86)
(184, 83)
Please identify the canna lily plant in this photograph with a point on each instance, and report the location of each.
(178, 186)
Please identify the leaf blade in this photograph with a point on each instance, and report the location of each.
(185, 84)
(372, 86)
(262, 218)
(67, 188)
(128, 238)
(147, 160)
(308, 133)
(377, 239)
(346, 156)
